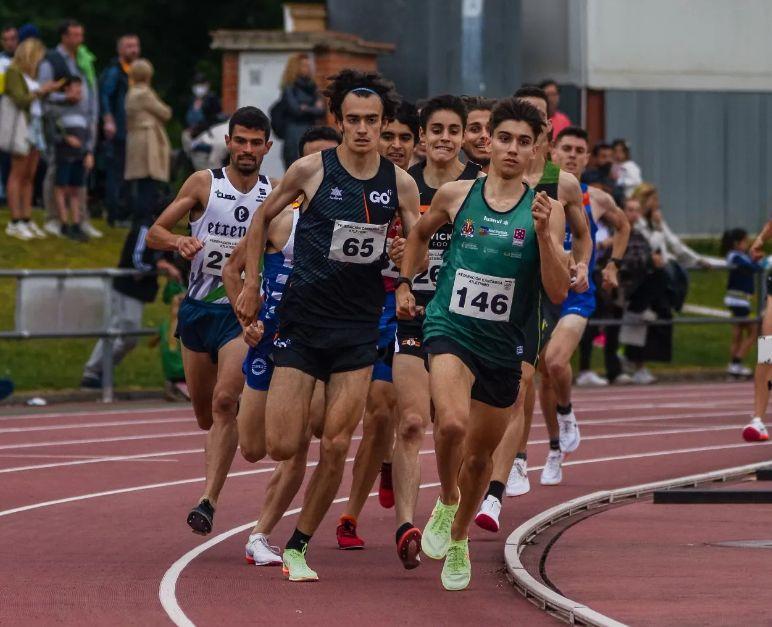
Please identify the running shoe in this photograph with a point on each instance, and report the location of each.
(35, 230)
(347, 534)
(588, 379)
(755, 431)
(642, 376)
(552, 473)
(201, 518)
(436, 536)
(294, 566)
(569, 432)
(517, 482)
(18, 231)
(260, 553)
(623, 379)
(488, 516)
(409, 548)
(457, 570)
(385, 489)
(53, 227)
(90, 230)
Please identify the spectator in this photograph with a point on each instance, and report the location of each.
(9, 39)
(625, 172)
(304, 103)
(63, 62)
(558, 119)
(147, 145)
(205, 107)
(71, 132)
(170, 349)
(24, 129)
(113, 87)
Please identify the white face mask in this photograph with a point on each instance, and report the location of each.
(201, 90)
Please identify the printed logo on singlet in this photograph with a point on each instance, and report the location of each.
(468, 229)
(518, 237)
(220, 194)
(381, 198)
(336, 193)
(241, 213)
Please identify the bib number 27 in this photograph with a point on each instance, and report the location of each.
(482, 296)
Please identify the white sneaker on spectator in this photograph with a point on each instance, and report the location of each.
(13, 230)
(90, 230)
(53, 227)
(623, 379)
(642, 376)
(35, 230)
(517, 483)
(587, 378)
(569, 432)
(552, 474)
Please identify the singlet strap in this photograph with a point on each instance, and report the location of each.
(218, 173)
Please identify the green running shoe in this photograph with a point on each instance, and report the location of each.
(436, 536)
(457, 570)
(295, 567)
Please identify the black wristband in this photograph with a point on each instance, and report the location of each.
(616, 261)
(403, 280)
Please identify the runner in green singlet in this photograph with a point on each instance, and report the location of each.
(505, 240)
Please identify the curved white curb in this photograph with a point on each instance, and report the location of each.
(562, 607)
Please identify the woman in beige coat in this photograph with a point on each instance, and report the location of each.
(147, 144)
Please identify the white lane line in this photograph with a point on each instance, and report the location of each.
(167, 590)
(102, 412)
(125, 438)
(97, 460)
(95, 425)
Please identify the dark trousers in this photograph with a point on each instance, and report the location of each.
(5, 170)
(115, 186)
(145, 197)
(610, 357)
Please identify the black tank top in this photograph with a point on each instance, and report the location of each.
(424, 283)
(340, 250)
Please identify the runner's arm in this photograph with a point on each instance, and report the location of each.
(757, 249)
(615, 217)
(550, 231)
(571, 197)
(231, 272)
(407, 191)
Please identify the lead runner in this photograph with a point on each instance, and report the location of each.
(504, 237)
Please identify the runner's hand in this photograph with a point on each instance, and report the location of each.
(247, 304)
(253, 333)
(406, 309)
(579, 279)
(541, 209)
(189, 246)
(610, 278)
(397, 250)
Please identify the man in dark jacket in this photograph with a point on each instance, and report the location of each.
(113, 85)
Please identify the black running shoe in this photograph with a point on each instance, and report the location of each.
(201, 518)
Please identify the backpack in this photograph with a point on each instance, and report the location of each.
(279, 113)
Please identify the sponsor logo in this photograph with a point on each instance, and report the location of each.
(518, 237)
(336, 193)
(519, 350)
(484, 230)
(259, 366)
(282, 343)
(495, 220)
(410, 341)
(219, 194)
(381, 198)
(241, 213)
(468, 229)
(228, 230)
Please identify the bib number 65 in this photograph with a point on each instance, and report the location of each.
(357, 242)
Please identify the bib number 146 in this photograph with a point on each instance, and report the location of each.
(482, 296)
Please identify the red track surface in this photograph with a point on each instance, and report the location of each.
(100, 559)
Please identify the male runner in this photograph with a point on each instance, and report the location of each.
(258, 364)
(503, 238)
(328, 319)
(442, 129)
(545, 176)
(397, 141)
(477, 139)
(220, 205)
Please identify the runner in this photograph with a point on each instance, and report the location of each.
(571, 153)
(220, 205)
(503, 238)
(755, 431)
(332, 304)
(397, 141)
(442, 128)
(258, 365)
(477, 139)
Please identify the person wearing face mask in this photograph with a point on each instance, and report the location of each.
(304, 103)
(204, 108)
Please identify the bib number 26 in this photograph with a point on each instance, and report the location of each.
(482, 296)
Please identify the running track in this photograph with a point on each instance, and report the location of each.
(93, 504)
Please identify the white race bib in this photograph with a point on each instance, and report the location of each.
(482, 296)
(391, 270)
(427, 281)
(217, 249)
(357, 242)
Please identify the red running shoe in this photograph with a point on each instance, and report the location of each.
(385, 489)
(347, 534)
(409, 548)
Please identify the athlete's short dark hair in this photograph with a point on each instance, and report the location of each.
(407, 114)
(362, 84)
(251, 118)
(519, 111)
(531, 91)
(318, 133)
(478, 103)
(573, 131)
(547, 82)
(445, 102)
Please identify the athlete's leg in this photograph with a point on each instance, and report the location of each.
(528, 385)
(565, 338)
(512, 441)
(201, 377)
(411, 381)
(286, 412)
(251, 423)
(763, 371)
(548, 402)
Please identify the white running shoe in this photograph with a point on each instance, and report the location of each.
(260, 553)
(552, 474)
(488, 516)
(755, 431)
(517, 482)
(90, 230)
(623, 379)
(15, 230)
(35, 230)
(642, 376)
(569, 432)
(53, 227)
(588, 379)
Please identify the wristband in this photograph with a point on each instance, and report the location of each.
(616, 261)
(403, 280)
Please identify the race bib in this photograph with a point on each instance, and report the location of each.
(427, 281)
(482, 296)
(217, 249)
(357, 242)
(391, 270)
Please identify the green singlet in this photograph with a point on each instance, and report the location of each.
(488, 283)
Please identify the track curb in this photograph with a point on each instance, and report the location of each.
(563, 608)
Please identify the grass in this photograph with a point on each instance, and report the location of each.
(57, 364)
